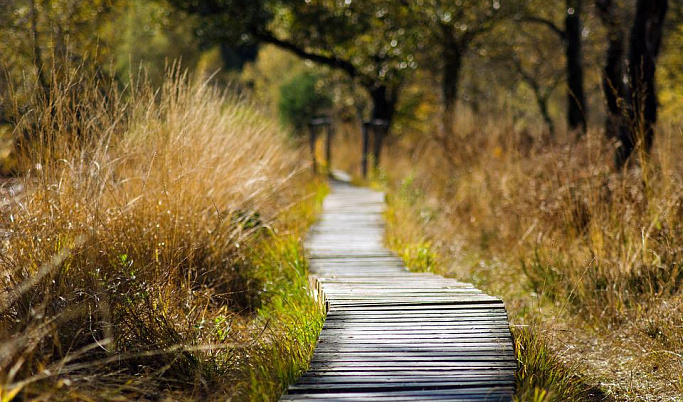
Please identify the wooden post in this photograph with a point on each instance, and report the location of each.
(378, 138)
(366, 143)
(311, 129)
(379, 129)
(328, 148)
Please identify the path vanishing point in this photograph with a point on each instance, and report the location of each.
(390, 334)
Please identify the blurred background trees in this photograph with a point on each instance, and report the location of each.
(37, 35)
(449, 30)
(641, 110)
(407, 62)
(302, 98)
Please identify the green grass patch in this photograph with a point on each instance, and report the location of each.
(291, 316)
(292, 322)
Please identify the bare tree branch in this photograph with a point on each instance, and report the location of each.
(553, 27)
(332, 61)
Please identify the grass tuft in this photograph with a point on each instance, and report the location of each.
(155, 249)
(543, 376)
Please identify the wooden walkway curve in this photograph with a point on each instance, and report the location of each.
(391, 334)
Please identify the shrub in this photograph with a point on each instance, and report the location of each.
(301, 99)
(127, 266)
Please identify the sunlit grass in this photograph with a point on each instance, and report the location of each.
(157, 248)
(588, 253)
(542, 376)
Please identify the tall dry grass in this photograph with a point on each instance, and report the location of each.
(126, 266)
(589, 254)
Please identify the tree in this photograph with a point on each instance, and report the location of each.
(40, 37)
(571, 38)
(536, 70)
(645, 40)
(613, 72)
(576, 99)
(363, 39)
(149, 35)
(450, 28)
(670, 64)
(525, 59)
(301, 100)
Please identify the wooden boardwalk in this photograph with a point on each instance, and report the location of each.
(391, 334)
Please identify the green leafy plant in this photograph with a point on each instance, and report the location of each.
(301, 99)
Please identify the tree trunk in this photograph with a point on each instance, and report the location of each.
(646, 37)
(450, 80)
(364, 150)
(37, 51)
(542, 102)
(383, 108)
(312, 134)
(576, 100)
(380, 133)
(613, 73)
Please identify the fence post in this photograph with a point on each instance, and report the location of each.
(366, 143)
(380, 130)
(328, 147)
(312, 135)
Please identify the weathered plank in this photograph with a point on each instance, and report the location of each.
(391, 334)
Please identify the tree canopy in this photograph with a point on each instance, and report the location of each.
(446, 51)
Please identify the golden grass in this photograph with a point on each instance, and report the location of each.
(590, 256)
(7, 162)
(133, 266)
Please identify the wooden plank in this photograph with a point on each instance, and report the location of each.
(427, 312)
(455, 380)
(436, 370)
(426, 303)
(448, 307)
(419, 317)
(452, 393)
(404, 374)
(390, 386)
(409, 337)
(382, 366)
(397, 349)
(350, 357)
(410, 329)
(379, 336)
(467, 324)
(499, 349)
(491, 353)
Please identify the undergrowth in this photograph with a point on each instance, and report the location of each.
(155, 250)
(589, 255)
(542, 376)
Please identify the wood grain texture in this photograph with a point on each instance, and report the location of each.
(391, 334)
